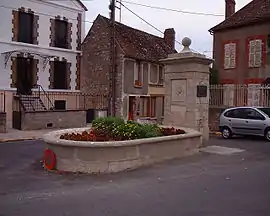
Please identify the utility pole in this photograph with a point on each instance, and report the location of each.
(120, 11)
(113, 59)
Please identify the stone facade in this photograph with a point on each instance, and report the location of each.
(14, 71)
(96, 61)
(53, 119)
(78, 72)
(51, 71)
(79, 31)
(69, 31)
(15, 23)
(3, 122)
(184, 73)
(98, 157)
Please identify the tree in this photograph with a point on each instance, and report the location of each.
(213, 76)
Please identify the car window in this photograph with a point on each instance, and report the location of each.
(265, 110)
(240, 113)
(234, 113)
(243, 113)
(229, 114)
(249, 113)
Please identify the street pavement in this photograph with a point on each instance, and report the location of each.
(203, 184)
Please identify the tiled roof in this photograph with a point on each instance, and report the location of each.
(255, 11)
(138, 44)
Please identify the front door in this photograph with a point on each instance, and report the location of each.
(24, 80)
(131, 108)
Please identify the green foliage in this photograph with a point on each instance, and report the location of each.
(213, 76)
(116, 128)
(134, 130)
(149, 130)
(126, 131)
(105, 125)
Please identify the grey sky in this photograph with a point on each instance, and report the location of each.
(194, 26)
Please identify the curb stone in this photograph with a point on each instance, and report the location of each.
(17, 139)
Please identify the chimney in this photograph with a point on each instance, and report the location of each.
(169, 37)
(229, 8)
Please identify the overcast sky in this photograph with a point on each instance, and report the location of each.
(194, 26)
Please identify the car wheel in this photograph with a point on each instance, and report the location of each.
(267, 134)
(226, 133)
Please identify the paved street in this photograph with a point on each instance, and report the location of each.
(204, 184)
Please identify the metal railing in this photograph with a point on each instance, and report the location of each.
(46, 98)
(72, 100)
(223, 96)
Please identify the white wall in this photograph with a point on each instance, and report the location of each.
(45, 10)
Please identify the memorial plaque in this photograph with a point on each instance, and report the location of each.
(201, 91)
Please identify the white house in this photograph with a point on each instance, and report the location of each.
(40, 45)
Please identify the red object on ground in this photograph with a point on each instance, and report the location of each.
(49, 159)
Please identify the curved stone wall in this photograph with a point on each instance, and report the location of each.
(114, 156)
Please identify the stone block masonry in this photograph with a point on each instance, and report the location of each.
(3, 122)
(53, 119)
(115, 156)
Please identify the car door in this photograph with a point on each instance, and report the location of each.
(254, 122)
(238, 121)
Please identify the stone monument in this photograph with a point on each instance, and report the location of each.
(187, 89)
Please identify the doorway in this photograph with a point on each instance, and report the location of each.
(131, 108)
(24, 82)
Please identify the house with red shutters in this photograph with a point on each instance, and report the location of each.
(241, 43)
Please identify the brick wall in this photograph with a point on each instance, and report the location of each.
(242, 71)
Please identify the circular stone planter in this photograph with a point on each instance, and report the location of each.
(115, 156)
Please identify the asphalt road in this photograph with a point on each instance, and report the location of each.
(203, 184)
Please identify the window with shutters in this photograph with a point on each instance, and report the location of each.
(156, 74)
(26, 21)
(160, 75)
(229, 55)
(60, 75)
(255, 48)
(61, 33)
(138, 74)
(147, 106)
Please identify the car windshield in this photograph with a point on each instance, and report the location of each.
(265, 110)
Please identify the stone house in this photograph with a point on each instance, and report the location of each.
(40, 45)
(140, 75)
(241, 43)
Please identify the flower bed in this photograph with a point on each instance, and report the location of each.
(115, 129)
(69, 154)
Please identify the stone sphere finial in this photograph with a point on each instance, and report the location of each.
(186, 42)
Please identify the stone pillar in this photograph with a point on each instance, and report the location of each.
(187, 90)
(3, 122)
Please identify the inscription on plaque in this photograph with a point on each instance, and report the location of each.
(201, 91)
(179, 90)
